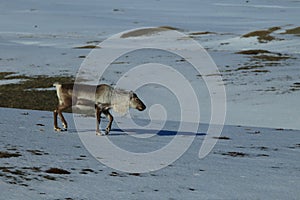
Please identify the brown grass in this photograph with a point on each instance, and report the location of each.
(263, 36)
(22, 95)
(253, 52)
(88, 47)
(4, 154)
(294, 31)
(147, 31)
(57, 171)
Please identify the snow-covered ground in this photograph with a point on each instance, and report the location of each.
(42, 38)
(246, 163)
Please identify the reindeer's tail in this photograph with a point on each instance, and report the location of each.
(56, 84)
(58, 87)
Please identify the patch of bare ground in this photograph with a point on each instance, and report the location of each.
(295, 86)
(87, 47)
(253, 52)
(293, 31)
(263, 36)
(134, 174)
(4, 154)
(23, 94)
(249, 67)
(147, 31)
(37, 152)
(235, 154)
(241, 154)
(202, 33)
(272, 57)
(222, 138)
(260, 58)
(87, 170)
(264, 55)
(57, 171)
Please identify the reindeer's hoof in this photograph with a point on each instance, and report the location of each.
(107, 130)
(57, 129)
(99, 133)
(65, 126)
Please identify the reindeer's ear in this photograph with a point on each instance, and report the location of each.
(131, 94)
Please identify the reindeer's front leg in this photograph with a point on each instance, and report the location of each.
(98, 119)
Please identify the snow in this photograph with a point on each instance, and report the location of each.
(267, 168)
(40, 38)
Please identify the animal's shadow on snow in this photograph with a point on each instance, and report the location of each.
(117, 131)
(154, 132)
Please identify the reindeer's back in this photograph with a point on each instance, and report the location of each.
(103, 93)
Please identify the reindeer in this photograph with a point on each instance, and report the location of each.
(102, 97)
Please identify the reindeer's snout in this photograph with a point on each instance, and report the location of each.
(137, 103)
(141, 107)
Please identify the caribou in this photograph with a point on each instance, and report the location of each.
(102, 97)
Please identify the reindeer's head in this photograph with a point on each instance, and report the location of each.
(136, 103)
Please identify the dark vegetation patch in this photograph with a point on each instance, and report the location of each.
(191, 189)
(271, 57)
(113, 173)
(33, 169)
(202, 33)
(253, 52)
(241, 154)
(259, 59)
(23, 94)
(37, 152)
(296, 146)
(147, 31)
(51, 178)
(134, 174)
(260, 71)
(235, 154)
(93, 42)
(23, 176)
(249, 67)
(14, 176)
(87, 47)
(295, 86)
(264, 55)
(294, 31)
(263, 36)
(87, 170)
(40, 124)
(222, 138)
(4, 75)
(57, 171)
(4, 154)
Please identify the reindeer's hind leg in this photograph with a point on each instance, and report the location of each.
(110, 118)
(98, 117)
(58, 111)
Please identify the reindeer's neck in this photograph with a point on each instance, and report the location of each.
(120, 101)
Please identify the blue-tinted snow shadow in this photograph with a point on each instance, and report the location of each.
(153, 131)
(117, 131)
